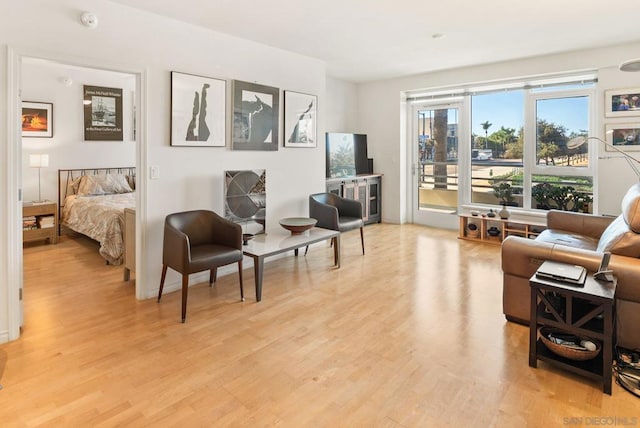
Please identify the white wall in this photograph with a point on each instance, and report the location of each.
(42, 82)
(342, 106)
(382, 118)
(130, 40)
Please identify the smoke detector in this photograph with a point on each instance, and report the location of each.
(89, 20)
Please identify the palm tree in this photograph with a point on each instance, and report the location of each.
(486, 125)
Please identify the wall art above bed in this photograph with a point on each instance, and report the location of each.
(102, 113)
(198, 114)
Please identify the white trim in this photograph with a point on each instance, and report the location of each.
(14, 174)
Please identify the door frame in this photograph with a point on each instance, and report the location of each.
(15, 267)
(434, 217)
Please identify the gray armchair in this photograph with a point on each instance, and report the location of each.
(337, 213)
(200, 240)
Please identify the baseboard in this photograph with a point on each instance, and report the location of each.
(4, 336)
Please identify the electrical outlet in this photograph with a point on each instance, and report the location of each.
(154, 172)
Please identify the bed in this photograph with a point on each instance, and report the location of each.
(92, 202)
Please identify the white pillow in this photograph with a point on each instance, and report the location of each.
(103, 184)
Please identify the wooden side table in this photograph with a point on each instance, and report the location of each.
(587, 311)
(40, 210)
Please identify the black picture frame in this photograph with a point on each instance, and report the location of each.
(256, 116)
(102, 113)
(198, 111)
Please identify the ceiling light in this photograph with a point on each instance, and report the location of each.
(630, 65)
(437, 36)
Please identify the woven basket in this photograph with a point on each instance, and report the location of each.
(564, 351)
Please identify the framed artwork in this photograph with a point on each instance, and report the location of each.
(624, 136)
(622, 102)
(37, 119)
(300, 119)
(198, 113)
(256, 111)
(102, 113)
(245, 199)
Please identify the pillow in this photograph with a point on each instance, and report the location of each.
(631, 207)
(103, 184)
(131, 179)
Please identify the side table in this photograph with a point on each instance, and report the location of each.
(587, 311)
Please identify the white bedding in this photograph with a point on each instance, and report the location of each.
(101, 218)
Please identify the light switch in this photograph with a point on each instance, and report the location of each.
(154, 172)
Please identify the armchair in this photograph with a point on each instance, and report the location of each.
(337, 213)
(581, 239)
(200, 240)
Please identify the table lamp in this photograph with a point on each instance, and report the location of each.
(39, 161)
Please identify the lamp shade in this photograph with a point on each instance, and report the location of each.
(38, 161)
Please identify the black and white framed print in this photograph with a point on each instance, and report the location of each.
(37, 119)
(198, 113)
(622, 102)
(300, 119)
(102, 113)
(256, 111)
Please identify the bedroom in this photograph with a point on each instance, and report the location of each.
(60, 88)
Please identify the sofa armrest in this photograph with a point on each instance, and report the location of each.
(579, 223)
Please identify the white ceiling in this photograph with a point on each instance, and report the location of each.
(364, 40)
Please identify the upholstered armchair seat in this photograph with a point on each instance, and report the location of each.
(337, 213)
(195, 241)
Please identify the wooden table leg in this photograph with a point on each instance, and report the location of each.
(607, 349)
(533, 328)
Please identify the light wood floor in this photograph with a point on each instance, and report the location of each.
(410, 335)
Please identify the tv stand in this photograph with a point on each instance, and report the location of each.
(366, 188)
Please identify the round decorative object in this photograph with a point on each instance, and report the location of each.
(504, 213)
(493, 231)
(472, 230)
(571, 353)
(298, 225)
(491, 213)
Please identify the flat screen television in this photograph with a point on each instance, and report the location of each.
(346, 155)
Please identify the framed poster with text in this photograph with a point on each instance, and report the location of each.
(102, 113)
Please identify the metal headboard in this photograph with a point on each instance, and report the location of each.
(66, 177)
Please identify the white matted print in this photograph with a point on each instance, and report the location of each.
(198, 114)
(622, 102)
(300, 119)
(624, 136)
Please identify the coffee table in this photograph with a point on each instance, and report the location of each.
(280, 241)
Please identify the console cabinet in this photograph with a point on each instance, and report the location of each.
(364, 188)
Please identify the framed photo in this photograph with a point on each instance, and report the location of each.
(37, 119)
(622, 102)
(256, 110)
(198, 113)
(300, 119)
(624, 136)
(102, 113)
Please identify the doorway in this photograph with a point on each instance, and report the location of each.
(435, 155)
(63, 83)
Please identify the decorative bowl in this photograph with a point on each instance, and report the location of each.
(298, 225)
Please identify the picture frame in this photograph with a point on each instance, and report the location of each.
(37, 119)
(198, 111)
(102, 113)
(622, 102)
(624, 136)
(256, 116)
(300, 119)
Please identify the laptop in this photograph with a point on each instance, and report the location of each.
(569, 274)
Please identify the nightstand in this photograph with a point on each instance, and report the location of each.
(40, 221)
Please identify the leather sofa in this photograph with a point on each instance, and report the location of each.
(581, 239)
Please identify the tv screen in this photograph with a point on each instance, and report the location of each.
(346, 155)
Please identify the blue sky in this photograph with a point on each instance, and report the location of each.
(507, 109)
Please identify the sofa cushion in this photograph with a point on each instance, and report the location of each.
(631, 207)
(619, 239)
(562, 237)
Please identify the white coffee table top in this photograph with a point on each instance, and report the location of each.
(279, 241)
